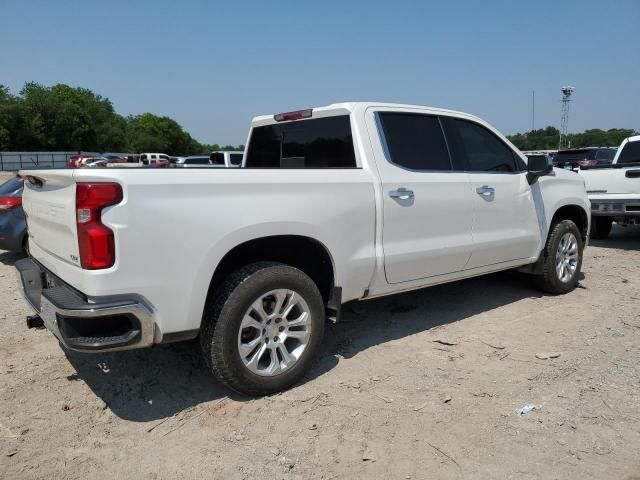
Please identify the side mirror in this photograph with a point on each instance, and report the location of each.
(538, 166)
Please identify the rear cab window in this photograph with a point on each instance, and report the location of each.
(312, 143)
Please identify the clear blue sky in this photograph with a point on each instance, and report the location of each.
(214, 65)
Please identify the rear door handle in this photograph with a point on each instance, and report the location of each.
(401, 193)
(485, 190)
(632, 174)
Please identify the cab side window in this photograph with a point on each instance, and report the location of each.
(476, 149)
(414, 141)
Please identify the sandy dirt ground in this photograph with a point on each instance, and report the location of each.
(415, 386)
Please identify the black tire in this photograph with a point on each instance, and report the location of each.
(600, 227)
(226, 309)
(548, 280)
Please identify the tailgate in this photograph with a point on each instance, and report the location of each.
(49, 200)
(612, 180)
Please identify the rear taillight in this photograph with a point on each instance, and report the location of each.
(95, 240)
(7, 203)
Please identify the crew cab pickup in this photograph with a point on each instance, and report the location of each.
(614, 190)
(334, 204)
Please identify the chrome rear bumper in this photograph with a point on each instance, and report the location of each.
(84, 323)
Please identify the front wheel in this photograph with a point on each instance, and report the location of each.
(263, 329)
(562, 259)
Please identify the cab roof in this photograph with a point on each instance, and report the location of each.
(346, 108)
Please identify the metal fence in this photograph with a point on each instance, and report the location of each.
(13, 161)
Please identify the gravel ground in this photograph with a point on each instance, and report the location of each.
(419, 385)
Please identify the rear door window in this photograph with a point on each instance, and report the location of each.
(414, 141)
(476, 149)
(315, 143)
(630, 153)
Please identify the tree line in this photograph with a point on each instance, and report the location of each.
(64, 118)
(549, 137)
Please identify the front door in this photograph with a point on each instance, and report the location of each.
(505, 224)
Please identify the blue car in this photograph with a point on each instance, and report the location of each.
(13, 224)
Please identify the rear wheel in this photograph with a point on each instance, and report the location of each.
(263, 329)
(600, 227)
(562, 259)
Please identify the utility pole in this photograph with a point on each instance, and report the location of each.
(533, 110)
(564, 117)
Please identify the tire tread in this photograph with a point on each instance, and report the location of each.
(214, 331)
(547, 280)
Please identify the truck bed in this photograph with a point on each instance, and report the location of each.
(172, 225)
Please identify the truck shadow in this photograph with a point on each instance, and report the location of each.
(10, 258)
(156, 383)
(620, 238)
(369, 323)
(149, 384)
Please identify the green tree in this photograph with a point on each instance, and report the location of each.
(541, 139)
(151, 133)
(66, 118)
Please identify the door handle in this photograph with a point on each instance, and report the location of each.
(401, 193)
(485, 190)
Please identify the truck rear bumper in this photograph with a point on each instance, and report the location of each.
(85, 323)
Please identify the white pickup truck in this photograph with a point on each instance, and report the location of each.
(339, 203)
(614, 190)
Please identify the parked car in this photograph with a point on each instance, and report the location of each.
(575, 158)
(614, 191)
(75, 160)
(13, 226)
(194, 161)
(229, 159)
(162, 163)
(95, 162)
(151, 158)
(127, 161)
(345, 202)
